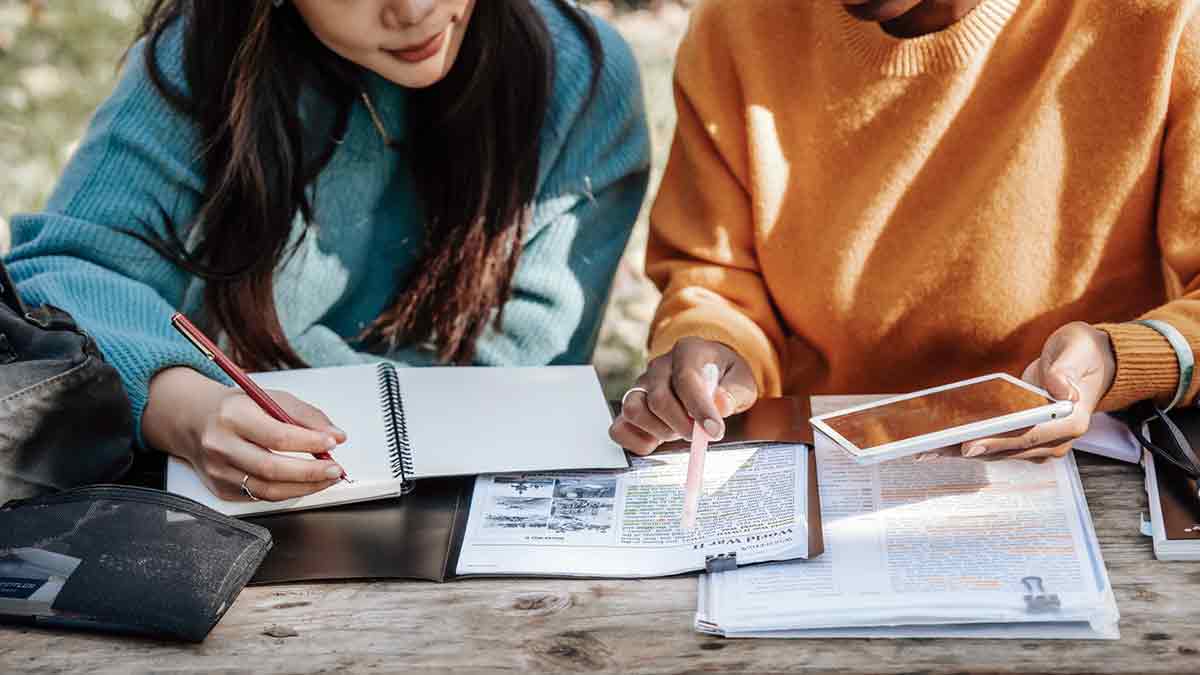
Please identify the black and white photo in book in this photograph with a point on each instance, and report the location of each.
(519, 512)
(583, 505)
(552, 505)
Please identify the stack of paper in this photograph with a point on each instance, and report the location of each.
(952, 547)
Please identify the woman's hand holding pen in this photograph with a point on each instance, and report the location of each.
(671, 395)
(225, 436)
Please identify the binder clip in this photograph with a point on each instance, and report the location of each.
(722, 562)
(1037, 600)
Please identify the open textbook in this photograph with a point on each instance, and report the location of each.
(756, 506)
(952, 547)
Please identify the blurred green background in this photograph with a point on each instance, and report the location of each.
(58, 60)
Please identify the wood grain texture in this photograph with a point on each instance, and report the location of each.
(645, 626)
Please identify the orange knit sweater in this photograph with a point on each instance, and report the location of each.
(856, 213)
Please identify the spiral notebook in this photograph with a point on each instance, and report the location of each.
(406, 424)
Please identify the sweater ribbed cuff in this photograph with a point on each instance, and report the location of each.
(1147, 367)
(734, 330)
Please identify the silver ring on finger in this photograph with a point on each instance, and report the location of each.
(631, 391)
(246, 489)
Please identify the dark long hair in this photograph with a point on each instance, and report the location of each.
(473, 147)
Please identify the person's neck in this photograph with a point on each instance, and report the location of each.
(929, 16)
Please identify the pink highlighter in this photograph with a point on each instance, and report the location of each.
(700, 439)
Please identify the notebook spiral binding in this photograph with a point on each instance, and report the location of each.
(395, 424)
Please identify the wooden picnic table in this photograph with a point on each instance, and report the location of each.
(591, 625)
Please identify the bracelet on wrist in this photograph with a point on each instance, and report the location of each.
(1183, 354)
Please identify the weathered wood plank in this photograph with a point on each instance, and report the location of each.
(589, 625)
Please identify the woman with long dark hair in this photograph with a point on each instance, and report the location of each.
(322, 183)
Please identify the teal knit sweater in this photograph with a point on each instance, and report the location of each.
(139, 161)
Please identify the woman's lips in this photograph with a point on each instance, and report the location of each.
(418, 53)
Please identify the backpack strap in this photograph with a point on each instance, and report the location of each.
(8, 292)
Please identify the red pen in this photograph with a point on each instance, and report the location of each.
(213, 353)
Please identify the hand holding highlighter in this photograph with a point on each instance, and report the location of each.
(700, 439)
(939, 417)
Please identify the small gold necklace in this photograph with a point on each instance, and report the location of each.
(378, 122)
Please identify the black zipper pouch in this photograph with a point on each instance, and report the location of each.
(123, 559)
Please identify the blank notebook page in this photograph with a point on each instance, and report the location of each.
(350, 397)
(496, 420)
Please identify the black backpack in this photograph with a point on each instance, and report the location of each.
(65, 420)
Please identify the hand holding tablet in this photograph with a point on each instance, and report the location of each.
(940, 417)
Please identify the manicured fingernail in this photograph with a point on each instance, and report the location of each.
(333, 472)
(338, 432)
(713, 429)
(974, 450)
(330, 442)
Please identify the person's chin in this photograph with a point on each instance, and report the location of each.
(422, 73)
(879, 11)
(416, 76)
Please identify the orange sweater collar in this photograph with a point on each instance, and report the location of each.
(954, 48)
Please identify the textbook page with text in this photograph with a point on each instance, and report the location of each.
(937, 548)
(754, 508)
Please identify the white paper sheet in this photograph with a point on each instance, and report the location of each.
(466, 421)
(1007, 631)
(1109, 437)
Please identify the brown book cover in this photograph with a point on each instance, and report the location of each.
(1178, 500)
(771, 420)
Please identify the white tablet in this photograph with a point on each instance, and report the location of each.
(939, 417)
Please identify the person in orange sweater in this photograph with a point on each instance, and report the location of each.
(876, 196)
